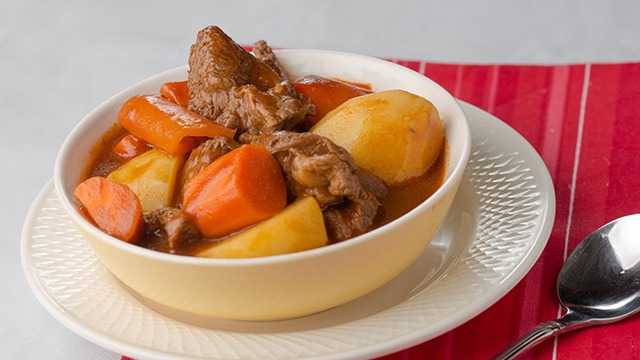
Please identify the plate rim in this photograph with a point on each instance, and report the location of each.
(379, 349)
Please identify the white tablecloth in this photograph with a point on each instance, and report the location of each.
(60, 59)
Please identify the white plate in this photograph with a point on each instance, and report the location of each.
(497, 227)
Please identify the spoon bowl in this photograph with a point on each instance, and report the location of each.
(599, 283)
(601, 277)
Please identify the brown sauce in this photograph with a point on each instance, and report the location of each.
(405, 196)
(102, 160)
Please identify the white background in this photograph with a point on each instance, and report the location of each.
(60, 59)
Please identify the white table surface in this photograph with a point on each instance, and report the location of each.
(60, 59)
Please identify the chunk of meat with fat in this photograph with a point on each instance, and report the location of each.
(263, 52)
(171, 224)
(216, 62)
(230, 86)
(351, 217)
(248, 109)
(315, 166)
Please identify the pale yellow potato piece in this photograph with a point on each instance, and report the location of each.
(394, 134)
(152, 176)
(300, 226)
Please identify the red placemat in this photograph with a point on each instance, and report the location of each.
(583, 121)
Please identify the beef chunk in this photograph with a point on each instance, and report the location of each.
(203, 155)
(217, 63)
(264, 53)
(315, 166)
(248, 109)
(351, 217)
(173, 225)
(230, 86)
(372, 183)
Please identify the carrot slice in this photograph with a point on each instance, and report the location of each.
(239, 189)
(167, 126)
(113, 207)
(129, 147)
(177, 92)
(327, 94)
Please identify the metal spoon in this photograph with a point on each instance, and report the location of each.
(598, 284)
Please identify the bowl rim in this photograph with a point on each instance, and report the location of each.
(82, 126)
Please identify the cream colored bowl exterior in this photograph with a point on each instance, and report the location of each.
(285, 286)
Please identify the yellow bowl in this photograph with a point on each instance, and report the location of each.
(283, 286)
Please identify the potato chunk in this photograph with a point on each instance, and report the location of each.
(300, 226)
(394, 134)
(152, 177)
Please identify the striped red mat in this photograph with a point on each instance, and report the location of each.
(584, 122)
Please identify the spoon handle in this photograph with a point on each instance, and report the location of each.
(541, 333)
(530, 339)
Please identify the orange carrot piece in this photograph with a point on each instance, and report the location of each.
(167, 126)
(113, 207)
(177, 92)
(327, 94)
(129, 147)
(239, 189)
